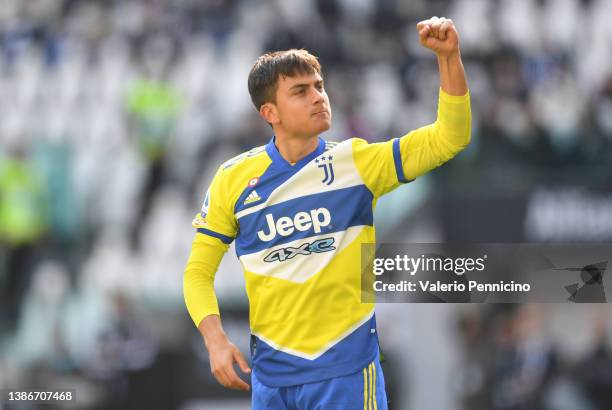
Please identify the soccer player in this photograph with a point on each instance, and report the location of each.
(299, 209)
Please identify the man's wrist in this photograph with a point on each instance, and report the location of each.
(212, 332)
(452, 74)
(449, 56)
(212, 341)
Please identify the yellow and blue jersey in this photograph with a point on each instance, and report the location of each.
(298, 231)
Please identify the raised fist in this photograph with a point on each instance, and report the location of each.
(440, 35)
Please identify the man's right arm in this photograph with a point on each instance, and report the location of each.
(201, 301)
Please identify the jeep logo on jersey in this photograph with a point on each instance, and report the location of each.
(318, 246)
(302, 221)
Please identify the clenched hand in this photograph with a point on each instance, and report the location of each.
(439, 35)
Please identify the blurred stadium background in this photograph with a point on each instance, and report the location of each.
(114, 115)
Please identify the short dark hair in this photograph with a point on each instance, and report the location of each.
(263, 78)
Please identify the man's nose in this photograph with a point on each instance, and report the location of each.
(318, 96)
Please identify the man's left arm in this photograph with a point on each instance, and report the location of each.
(440, 36)
(430, 146)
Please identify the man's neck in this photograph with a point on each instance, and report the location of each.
(294, 149)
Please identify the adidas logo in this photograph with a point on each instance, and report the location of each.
(252, 197)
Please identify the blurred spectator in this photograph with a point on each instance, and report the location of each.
(153, 107)
(522, 375)
(508, 362)
(475, 367)
(39, 339)
(125, 348)
(594, 372)
(23, 224)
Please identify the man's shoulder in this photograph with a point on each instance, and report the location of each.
(331, 144)
(351, 141)
(346, 145)
(352, 144)
(246, 158)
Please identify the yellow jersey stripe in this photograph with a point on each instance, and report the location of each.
(374, 381)
(365, 389)
(370, 381)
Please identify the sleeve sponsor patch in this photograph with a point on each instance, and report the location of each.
(199, 221)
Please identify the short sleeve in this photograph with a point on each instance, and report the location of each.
(216, 218)
(379, 164)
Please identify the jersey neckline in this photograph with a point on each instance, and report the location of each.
(278, 159)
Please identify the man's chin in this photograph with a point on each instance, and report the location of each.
(323, 127)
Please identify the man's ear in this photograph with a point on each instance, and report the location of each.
(269, 113)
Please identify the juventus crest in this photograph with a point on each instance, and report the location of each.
(325, 162)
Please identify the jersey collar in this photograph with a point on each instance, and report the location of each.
(278, 159)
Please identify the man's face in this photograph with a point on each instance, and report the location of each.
(302, 106)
